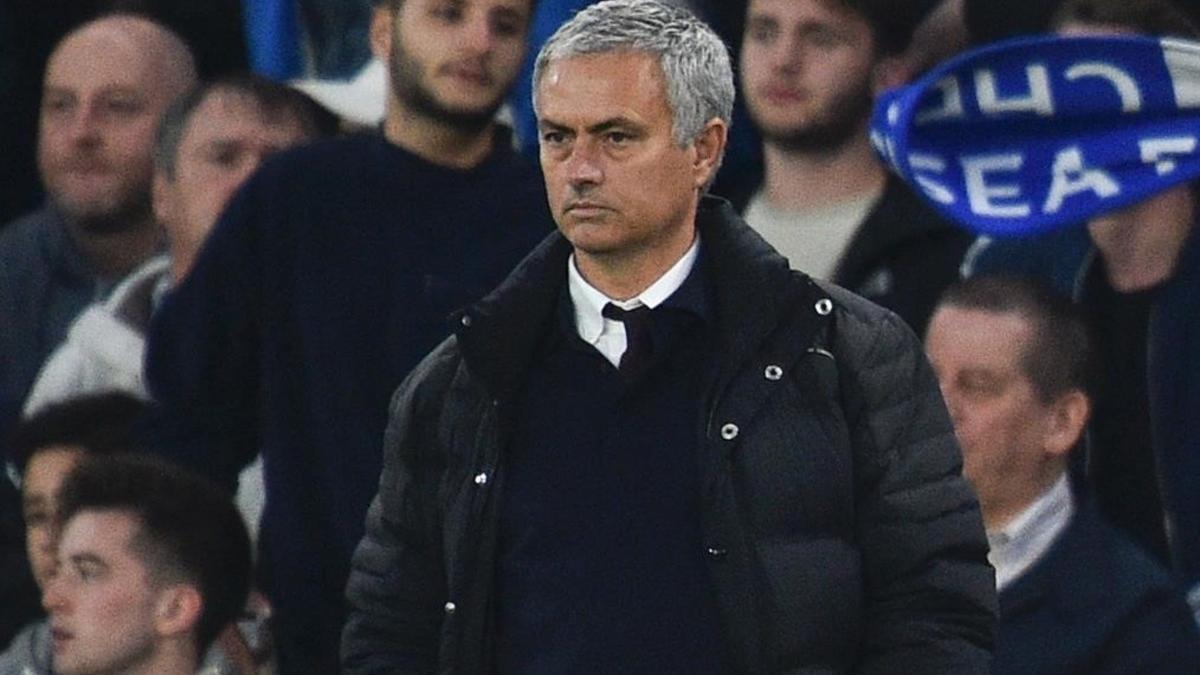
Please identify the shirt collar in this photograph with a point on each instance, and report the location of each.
(590, 301)
(1026, 538)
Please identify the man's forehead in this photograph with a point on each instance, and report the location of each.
(520, 7)
(595, 88)
(802, 11)
(117, 52)
(233, 115)
(98, 530)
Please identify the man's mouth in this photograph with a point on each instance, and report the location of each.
(781, 93)
(471, 74)
(59, 637)
(584, 208)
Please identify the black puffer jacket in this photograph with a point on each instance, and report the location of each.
(840, 534)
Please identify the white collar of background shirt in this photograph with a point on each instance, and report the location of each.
(1025, 539)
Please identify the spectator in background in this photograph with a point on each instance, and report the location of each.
(825, 201)
(30, 30)
(208, 144)
(1017, 368)
(1136, 273)
(44, 450)
(153, 563)
(106, 87)
(325, 281)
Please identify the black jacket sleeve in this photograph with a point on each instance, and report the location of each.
(930, 592)
(397, 587)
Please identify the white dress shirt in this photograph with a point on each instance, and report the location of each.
(606, 335)
(1026, 538)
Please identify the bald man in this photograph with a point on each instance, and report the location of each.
(107, 84)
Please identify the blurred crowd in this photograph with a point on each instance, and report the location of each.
(232, 230)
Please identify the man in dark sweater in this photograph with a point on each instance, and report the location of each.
(633, 457)
(331, 273)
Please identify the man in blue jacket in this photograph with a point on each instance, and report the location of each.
(1017, 367)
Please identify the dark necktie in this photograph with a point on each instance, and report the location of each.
(637, 337)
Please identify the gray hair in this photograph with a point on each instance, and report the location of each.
(694, 61)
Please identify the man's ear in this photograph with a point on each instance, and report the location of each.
(709, 148)
(1068, 418)
(177, 609)
(383, 19)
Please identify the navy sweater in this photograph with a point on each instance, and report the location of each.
(601, 565)
(330, 275)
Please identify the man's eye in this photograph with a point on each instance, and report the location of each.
(506, 27)
(122, 106)
(56, 105)
(822, 38)
(87, 572)
(618, 137)
(36, 519)
(979, 386)
(762, 33)
(224, 158)
(448, 13)
(553, 137)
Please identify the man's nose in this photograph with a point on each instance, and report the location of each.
(583, 166)
(53, 597)
(787, 54)
(478, 35)
(84, 126)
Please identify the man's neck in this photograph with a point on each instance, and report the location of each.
(798, 180)
(1141, 244)
(168, 659)
(625, 276)
(114, 254)
(999, 510)
(435, 140)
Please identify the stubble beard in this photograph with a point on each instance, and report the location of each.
(127, 214)
(831, 129)
(409, 87)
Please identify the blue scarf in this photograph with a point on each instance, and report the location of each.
(1028, 135)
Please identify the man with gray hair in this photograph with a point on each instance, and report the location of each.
(655, 448)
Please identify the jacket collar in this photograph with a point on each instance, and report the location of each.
(499, 334)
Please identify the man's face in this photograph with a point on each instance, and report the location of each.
(806, 71)
(101, 602)
(224, 140)
(617, 182)
(999, 420)
(39, 500)
(454, 60)
(101, 103)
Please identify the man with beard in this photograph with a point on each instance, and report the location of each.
(809, 71)
(106, 86)
(327, 278)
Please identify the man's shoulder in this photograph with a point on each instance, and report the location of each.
(859, 319)
(1092, 543)
(28, 233)
(328, 160)
(1093, 569)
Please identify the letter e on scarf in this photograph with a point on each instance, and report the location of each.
(980, 193)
